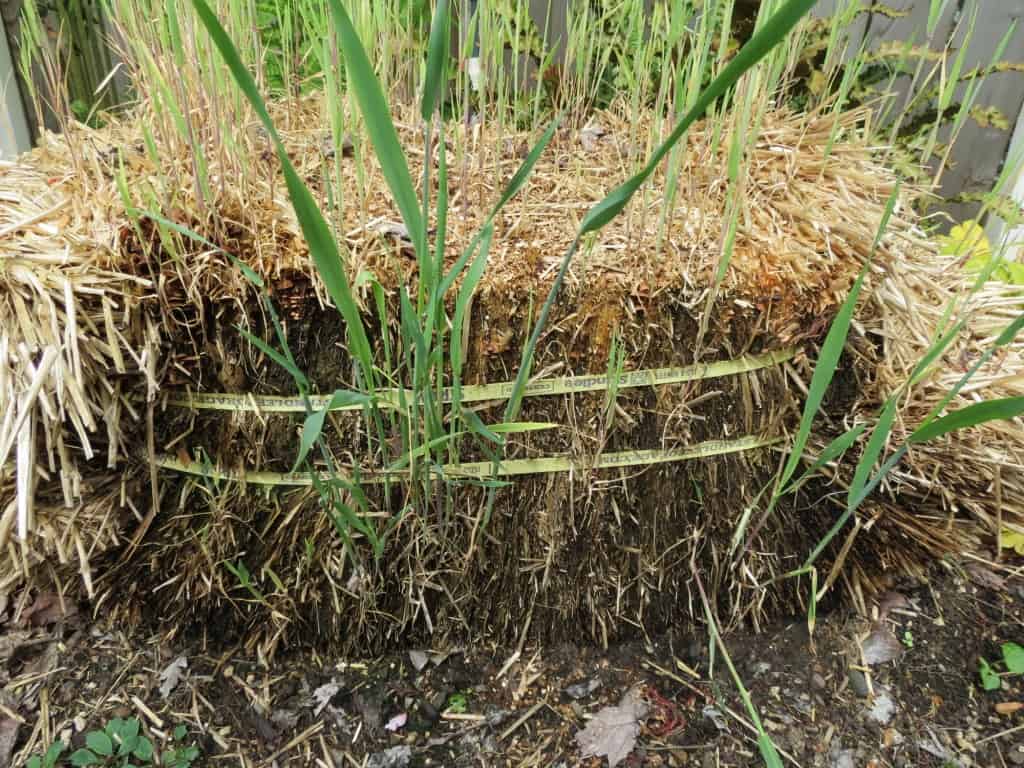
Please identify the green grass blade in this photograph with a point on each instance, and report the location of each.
(381, 128)
(437, 56)
(277, 357)
(989, 410)
(314, 424)
(513, 427)
(769, 753)
(832, 451)
(315, 229)
(477, 427)
(518, 181)
(1007, 336)
(934, 352)
(422, 450)
(873, 450)
(824, 371)
(770, 34)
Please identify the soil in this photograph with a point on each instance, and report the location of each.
(822, 697)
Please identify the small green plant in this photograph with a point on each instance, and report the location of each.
(458, 703)
(1013, 660)
(120, 744)
(908, 639)
(178, 755)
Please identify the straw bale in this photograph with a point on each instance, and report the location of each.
(606, 553)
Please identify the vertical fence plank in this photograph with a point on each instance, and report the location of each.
(14, 136)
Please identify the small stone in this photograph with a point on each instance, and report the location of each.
(1016, 754)
(844, 759)
(859, 682)
(818, 681)
(583, 689)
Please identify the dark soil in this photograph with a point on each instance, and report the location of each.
(501, 707)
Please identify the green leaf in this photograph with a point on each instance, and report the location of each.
(53, 754)
(989, 410)
(477, 426)
(366, 88)
(509, 427)
(518, 180)
(879, 436)
(1013, 655)
(180, 732)
(768, 752)
(85, 757)
(437, 56)
(99, 743)
(832, 451)
(322, 246)
(989, 679)
(421, 450)
(34, 762)
(824, 371)
(274, 355)
(314, 424)
(143, 749)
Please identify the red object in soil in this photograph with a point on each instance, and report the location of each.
(669, 717)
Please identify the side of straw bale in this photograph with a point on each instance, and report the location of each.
(606, 553)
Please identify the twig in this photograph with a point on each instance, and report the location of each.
(526, 716)
(313, 730)
(1000, 735)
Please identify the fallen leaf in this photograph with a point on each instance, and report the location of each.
(46, 609)
(391, 229)
(716, 717)
(285, 719)
(882, 708)
(1010, 539)
(1009, 707)
(612, 732)
(893, 601)
(396, 722)
(396, 757)
(419, 659)
(171, 675)
(323, 696)
(881, 646)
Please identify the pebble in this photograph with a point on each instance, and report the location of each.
(818, 681)
(583, 689)
(1016, 754)
(858, 682)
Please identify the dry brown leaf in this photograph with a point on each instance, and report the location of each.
(612, 732)
(881, 646)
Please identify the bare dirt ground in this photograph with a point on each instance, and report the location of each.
(898, 688)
